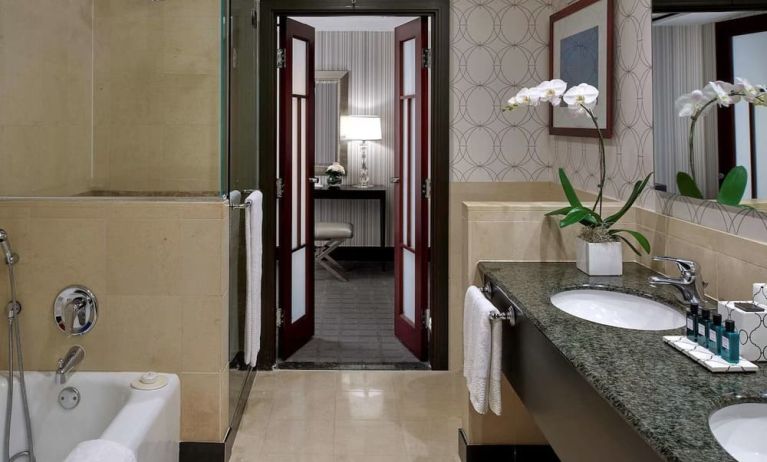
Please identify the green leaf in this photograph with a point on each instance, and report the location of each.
(572, 197)
(638, 188)
(640, 238)
(733, 187)
(636, 251)
(687, 186)
(580, 215)
(562, 211)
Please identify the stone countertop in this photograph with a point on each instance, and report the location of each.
(664, 395)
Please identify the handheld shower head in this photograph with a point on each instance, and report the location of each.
(5, 246)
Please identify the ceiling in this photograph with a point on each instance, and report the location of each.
(689, 19)
(354, 23)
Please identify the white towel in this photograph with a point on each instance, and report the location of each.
(100, 451)
(482, 352)
(253, 249)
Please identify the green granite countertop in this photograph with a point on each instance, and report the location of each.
(663, 394)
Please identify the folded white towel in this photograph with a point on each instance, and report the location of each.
(482, 352)
(100, 451)
(253, 249)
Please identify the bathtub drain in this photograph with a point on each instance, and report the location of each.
(69, 398)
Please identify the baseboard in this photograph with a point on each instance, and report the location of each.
(506, 452)
(363, 254)
(190, 451)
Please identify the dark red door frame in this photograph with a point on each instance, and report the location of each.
(293, 335)
(439, 12)
(411, 333)
(725, 31)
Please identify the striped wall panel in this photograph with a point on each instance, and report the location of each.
(369, 59)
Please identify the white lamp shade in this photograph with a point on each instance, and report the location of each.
(360, 128)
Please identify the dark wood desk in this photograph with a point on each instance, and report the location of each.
(347, 192)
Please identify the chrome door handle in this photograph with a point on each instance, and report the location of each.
(314, 179)
(394, 179)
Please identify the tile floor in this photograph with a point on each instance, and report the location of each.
(379, 416)
(354, 320)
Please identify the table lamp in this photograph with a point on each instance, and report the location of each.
(361, 128)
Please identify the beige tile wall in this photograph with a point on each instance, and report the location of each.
(45, 95)
(156, 95)
(159, 271)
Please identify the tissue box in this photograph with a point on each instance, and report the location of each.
(752, 328)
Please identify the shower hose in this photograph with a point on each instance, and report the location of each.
(14, 345)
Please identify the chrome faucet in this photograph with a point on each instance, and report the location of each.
(67, 365)
(75, 310)
(691, 284)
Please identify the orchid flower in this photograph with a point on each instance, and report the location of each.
(754, 94)
(552, 90)
(528, 96)
(581, 98)
(723, 92)
(691, 103)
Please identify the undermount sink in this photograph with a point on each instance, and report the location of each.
(618, 309)
(740, 430)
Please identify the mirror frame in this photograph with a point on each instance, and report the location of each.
(342, 79)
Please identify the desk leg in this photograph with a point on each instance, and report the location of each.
(382, 220)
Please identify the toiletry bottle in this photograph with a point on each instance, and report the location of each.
(692, 322)
(715, 335)
(730, 343)
(704, 327)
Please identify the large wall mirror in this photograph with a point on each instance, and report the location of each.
(332, 102)
(729, 144)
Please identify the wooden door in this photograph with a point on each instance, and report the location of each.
(296, 164)
(411, 203)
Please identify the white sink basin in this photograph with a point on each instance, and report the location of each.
(741, 430)
(618, 309)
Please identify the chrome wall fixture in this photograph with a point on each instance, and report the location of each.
(75, 310)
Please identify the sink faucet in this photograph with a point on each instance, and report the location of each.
(67, 365)
(691, 283)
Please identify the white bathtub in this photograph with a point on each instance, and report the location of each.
(145, 421)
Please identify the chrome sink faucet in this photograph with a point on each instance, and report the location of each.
(690, 284)
(67, 365)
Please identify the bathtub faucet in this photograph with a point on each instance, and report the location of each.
(67, 365)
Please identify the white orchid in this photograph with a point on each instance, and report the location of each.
(689, 104)
(581, 98)
(528, 96)
(754, 94)
(724, 92)
(512, 103)
(552, 91)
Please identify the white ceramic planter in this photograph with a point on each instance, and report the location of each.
(600, 259)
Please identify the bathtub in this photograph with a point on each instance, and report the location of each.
(145, 421)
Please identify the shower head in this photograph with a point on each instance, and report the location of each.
(5, 246)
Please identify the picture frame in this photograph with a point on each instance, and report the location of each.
(581, 50)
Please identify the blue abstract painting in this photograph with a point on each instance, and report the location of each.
(579, 58)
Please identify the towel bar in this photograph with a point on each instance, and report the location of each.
(509, 312)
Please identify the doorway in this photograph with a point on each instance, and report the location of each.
(421, 327)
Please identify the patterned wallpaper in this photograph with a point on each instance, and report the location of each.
(496, 48)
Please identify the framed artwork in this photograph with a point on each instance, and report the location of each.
(581, 51)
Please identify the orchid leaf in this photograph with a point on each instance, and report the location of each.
(562, 211)
(687, 186)
(640, 238)
(636, 251)
(733, 187)
(580, 215)
(572, 197)
(638, 188)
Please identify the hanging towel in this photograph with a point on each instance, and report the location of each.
(253, 249)
(100, 451)
(482, 352)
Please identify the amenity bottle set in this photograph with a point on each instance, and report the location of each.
(708, 332)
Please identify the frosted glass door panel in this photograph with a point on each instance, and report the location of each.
(413, 156)
(405, 172)
(408, 67)
(299, 67)
(408, 285)
(294, 178)
(303, 178)
(298, 292)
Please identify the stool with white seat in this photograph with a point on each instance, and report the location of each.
(334, 234)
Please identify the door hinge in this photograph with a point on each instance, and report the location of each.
(280, 188)
(282, 62)
(280, 317)
(426, 188)
(254, 18)
(426, 58)
(427, 319)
